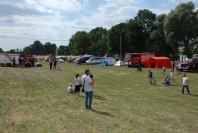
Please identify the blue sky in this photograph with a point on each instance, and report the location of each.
(57, 20)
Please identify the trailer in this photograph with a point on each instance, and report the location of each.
(6, 60)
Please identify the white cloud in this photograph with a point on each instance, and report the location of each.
(57, 5)
(49, 6)
(111, 12)
(160, 11)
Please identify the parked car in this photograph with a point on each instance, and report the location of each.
(95, 60)
(83, 59)
(183, 66)
(61, 60)
(64, 58)
(189, 66)
(71, 59)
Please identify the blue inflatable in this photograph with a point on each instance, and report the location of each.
(104, 63)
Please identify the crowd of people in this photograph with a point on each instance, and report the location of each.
(169, 79)
(85, 83)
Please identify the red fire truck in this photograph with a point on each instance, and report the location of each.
(133, 59)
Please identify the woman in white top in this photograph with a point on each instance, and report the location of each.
(77, 84)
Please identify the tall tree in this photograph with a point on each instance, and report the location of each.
(181, 26)
(37, 48)
(135, 36)
(117, 40)
(98, 37)
(145, 20)
(80, 43)
(27, 50)
(49, 48)
(158, 40)
(63, 50)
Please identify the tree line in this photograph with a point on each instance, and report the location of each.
(38, 48)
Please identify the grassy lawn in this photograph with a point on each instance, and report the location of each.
(35, 100)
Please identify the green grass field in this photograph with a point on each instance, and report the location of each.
(35, 100)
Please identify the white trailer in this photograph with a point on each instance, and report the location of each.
(7, 59)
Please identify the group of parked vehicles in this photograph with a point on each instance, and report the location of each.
(134, 60)
(146, 59)
(89, 59)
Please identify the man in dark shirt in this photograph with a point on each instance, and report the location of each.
(150, 76)
(55, 63)
(50, 64)
(14, 62)
(20, 61)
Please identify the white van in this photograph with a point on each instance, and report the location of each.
(95, 60)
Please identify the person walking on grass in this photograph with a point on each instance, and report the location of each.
(185, 84)
(173, 66)
(14, 62)
(150, 76)
(51, 64)
(20, 61)
(88, 87)
(171, 75)
(54, 65)
(164, 71)
(77, 84)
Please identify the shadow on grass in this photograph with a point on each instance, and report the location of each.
(194, 95)
(99, 97)
(101, 113)
(158, 84)
(95, 96)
